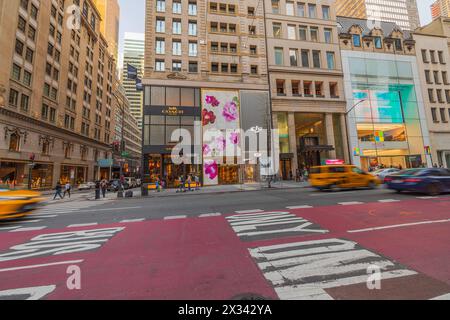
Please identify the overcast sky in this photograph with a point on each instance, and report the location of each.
(133, 15)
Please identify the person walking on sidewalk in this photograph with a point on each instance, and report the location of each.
(197, 182)
(58, 190)
(103, 187)
(67, 189)
(189, 182)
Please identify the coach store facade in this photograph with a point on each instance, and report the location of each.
(221, 112)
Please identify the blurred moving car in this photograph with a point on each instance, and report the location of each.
(18, 203)
(131, 182)
(383, 173)
(341, 177)
(86, 186)
(433, 181)
(114, 185)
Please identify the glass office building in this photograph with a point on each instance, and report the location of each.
(386, 117)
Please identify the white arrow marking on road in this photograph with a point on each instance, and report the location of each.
(42, 265)
(34, 293)
(399, 226)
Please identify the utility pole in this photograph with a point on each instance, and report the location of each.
(269, 112)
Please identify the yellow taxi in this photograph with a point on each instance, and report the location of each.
(18, 203)
(341, 177)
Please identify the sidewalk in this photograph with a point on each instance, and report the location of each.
(217, 189)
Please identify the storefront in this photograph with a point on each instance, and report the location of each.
(166, 110)
(386, 122)
(76, 175)
(16, 175)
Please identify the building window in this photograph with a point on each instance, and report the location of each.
(193, 67)
(160, 6)
(293, 56)
(277, 30)
(13, 97)
(328, 35)
(441, 57)
(356, 40)
(330, 60)
(424, 56)
(176, 66)
(295, 88)
(14, 142)
(443, 115)
(326, 12)
(160, 46)
(312, 10)
(434, 115)
(160, 65)
(279, 61)
(160, 25)
(281, 88)
(316, 59)
(305, 58)
(378, 43)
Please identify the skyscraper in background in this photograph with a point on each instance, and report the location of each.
(133, 54)
(109, 26)
(403, 12)
(440, 8)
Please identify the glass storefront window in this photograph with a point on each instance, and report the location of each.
(158, 97)
(283, 132)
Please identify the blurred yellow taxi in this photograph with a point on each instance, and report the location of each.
(341, 177)
(18, 203)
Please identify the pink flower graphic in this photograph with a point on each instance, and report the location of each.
(235, 138)
(206, 150)
(230, 111)
(211, 100)
(221, 143)
(211, 169)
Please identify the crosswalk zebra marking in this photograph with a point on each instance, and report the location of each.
(28, 229)
(269, 225)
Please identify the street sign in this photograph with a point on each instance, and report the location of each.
(125, 154)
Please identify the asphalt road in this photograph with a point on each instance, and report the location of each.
(293, 244)
(60, 215)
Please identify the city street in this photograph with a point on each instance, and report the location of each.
(272, 244)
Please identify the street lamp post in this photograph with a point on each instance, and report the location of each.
(346, 123)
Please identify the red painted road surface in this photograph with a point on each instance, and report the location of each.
(203, 258)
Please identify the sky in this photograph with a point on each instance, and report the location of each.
(133, 15)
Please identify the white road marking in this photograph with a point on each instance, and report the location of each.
(299, 207)
(332, 194)
(388, 200)
(207, 215)
(29, 221)
(303, 270)
(427, 198)
(249, 211)
(132, 220)
(41, 265)
(351, 203)
(175, 217)
(443, 297)
(10, 228)
(399, 226)
(28, 229)
(34, 293)
(83, 225)
(43, 216)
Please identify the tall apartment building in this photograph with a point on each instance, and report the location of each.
(440, 8)
(133, 53)
(307, 83)
(56, 87)
(127, 137)
(433, 47)
(109, 25)
(205, 63)
(402, 12)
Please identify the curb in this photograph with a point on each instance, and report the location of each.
(207, 193)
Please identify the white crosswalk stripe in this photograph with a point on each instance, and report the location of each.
(28, 229)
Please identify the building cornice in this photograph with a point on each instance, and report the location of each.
(23, 117)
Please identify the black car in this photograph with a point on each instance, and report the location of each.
(114, 185)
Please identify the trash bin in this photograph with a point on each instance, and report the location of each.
(97, 194)
(144, 190)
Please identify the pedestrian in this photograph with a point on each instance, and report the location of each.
(197, 182)
(182, 184)
(158, 184)
(67, 189)
(189, 181)
(103, 187)
(58, 190)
